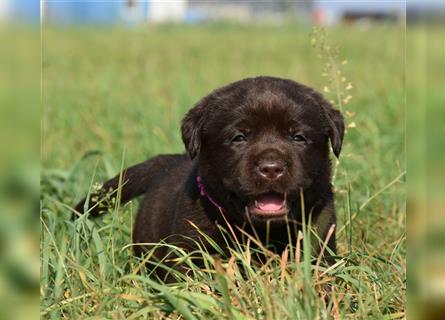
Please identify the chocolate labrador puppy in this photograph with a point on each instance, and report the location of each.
(258, 153)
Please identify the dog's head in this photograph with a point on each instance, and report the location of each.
(259, 141)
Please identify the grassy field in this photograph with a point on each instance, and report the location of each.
(115, 97)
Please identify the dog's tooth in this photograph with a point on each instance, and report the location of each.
(256, 204)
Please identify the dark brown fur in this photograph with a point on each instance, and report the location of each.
(272, 114)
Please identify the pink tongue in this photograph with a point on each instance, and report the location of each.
(270, 202)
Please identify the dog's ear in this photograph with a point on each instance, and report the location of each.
(337, 128)
(192, 127)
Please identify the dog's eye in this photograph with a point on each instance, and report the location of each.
(239, 138)
(298, 138)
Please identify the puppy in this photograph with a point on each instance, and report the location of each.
(258, 159)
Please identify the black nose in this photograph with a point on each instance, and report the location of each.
(271, 170)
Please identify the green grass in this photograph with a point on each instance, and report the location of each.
(115, 97)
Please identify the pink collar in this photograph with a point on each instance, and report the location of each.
(203, 193)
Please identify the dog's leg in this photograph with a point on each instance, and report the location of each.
(324, 225)
(132, 182)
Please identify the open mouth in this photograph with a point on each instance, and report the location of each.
(269, 205)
